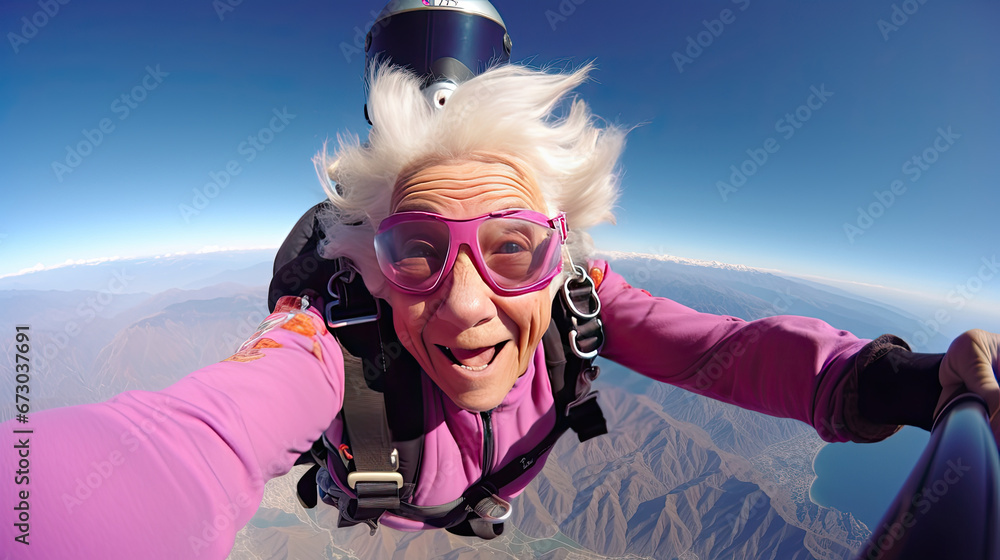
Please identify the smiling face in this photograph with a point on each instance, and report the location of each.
(472, 342)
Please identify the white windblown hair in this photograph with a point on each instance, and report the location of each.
(508, 112)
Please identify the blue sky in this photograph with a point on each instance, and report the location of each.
(838, 103)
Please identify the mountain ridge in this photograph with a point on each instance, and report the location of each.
(680, 476)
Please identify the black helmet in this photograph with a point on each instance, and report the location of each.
(445, 41)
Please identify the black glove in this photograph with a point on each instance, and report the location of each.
(896, 386)
(298, 269)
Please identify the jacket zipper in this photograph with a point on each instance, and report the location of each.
(487, 441)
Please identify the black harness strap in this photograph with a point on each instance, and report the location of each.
(381, 416)
(383, 412)
(569, 356)
(374, 477)
(379, 409)
(578, 318)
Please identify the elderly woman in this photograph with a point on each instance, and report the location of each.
(465, 221)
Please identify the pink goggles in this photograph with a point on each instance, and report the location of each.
(515, 251)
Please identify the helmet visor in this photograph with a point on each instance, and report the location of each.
(425, 40)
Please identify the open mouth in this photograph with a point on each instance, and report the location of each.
(476, 359)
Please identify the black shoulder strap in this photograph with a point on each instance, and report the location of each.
(389, 369)
(383, 406)
(374, 476)
(579, 337)
(571, 343)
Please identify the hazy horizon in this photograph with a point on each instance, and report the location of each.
(113, 353)
(984, 306)
(935, 319)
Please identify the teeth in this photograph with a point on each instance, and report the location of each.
(451, 356)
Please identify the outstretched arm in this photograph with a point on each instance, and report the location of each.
(174, 473)
(787, 366)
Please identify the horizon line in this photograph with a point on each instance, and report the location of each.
(209, 249)
(833, 282)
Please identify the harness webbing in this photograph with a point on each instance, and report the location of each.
(365, 421)
(383, 414)
(572, 340)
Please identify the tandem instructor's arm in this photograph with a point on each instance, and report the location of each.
(174, 473)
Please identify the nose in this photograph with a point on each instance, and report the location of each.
(468, 298)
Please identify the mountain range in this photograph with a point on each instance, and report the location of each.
(679, 475)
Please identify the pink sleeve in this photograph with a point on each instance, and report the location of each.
(175, 473)
(786, 366)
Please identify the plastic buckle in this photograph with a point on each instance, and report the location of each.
(345, 309)
(560, 222)
(493, 509)
(374, 476)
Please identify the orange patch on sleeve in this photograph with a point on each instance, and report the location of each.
(597, 275)
(254, 352)
(267, 343)
(286, 304)
(244, 356)
(301, 324)
(317, 351)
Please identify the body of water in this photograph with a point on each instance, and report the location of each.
(863, 479)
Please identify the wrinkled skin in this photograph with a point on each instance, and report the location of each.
(971, 364)
(464, 313)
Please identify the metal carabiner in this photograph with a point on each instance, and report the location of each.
(583, 277)
(576, 348)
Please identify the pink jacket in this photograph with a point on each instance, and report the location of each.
(176, 473)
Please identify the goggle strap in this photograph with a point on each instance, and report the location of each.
(560, 220)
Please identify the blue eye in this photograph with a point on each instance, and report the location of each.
(511, 247)
(418, 249)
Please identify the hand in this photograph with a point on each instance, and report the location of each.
(971, 365)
